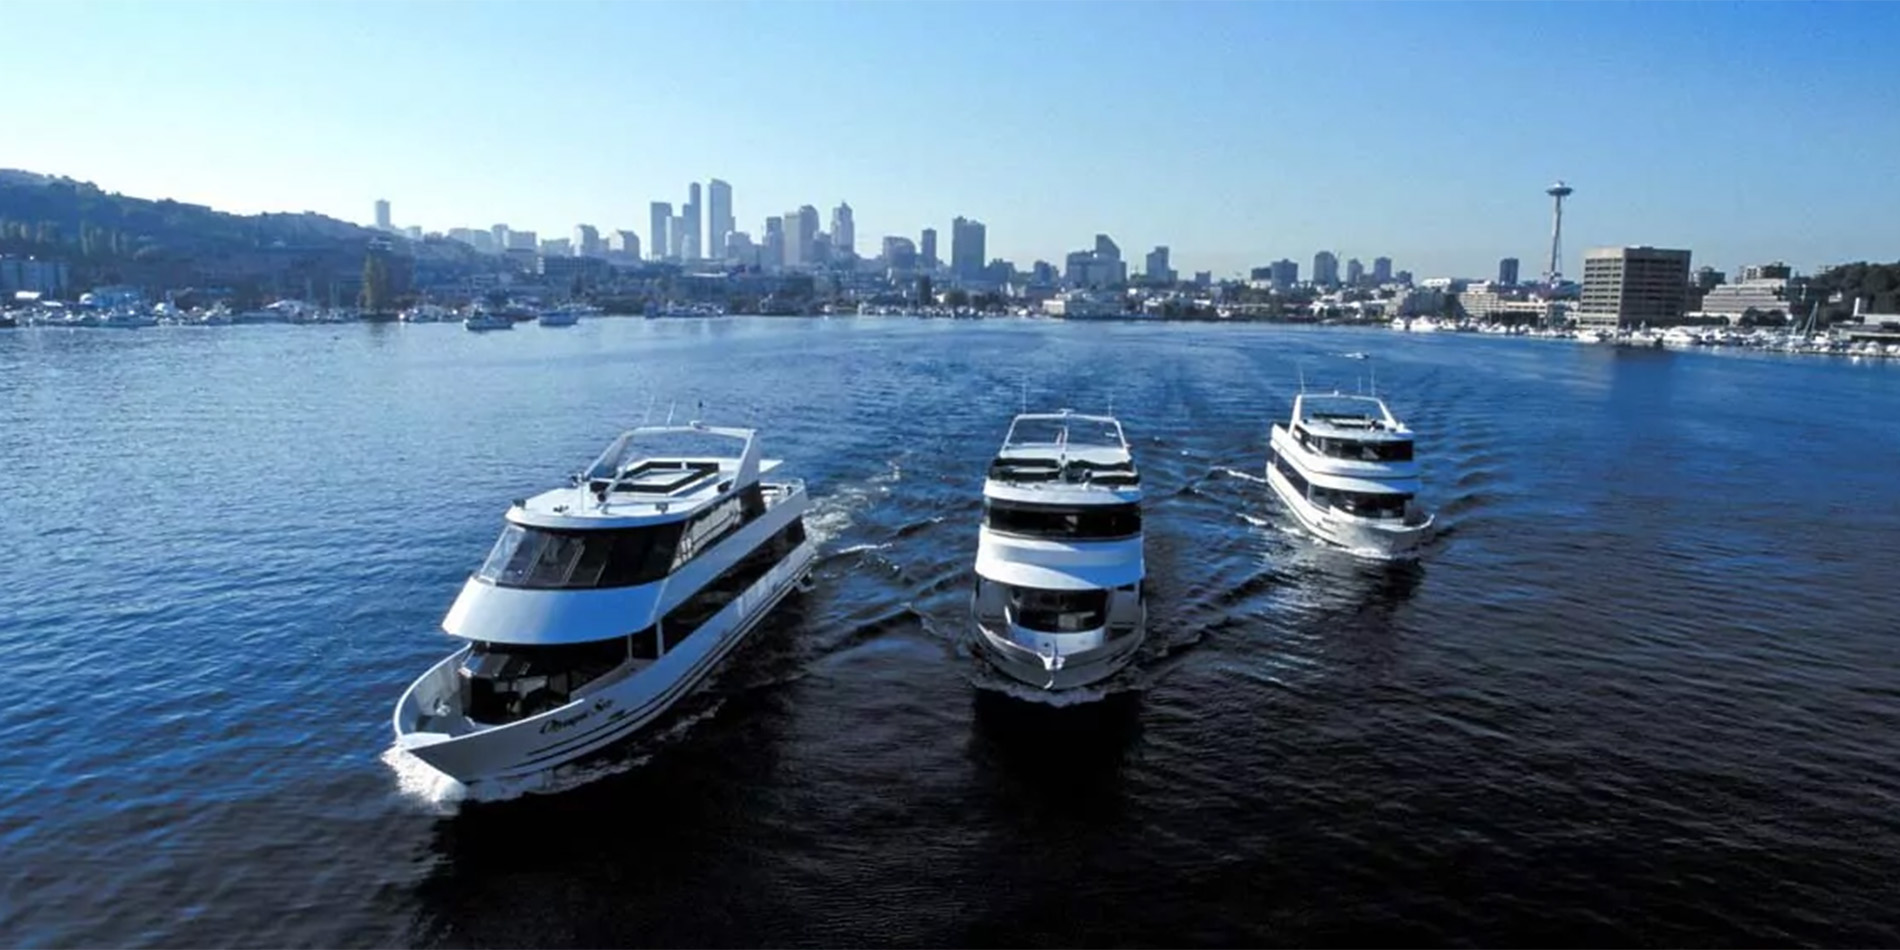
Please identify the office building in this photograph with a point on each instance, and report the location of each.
(967, 238)
(928, 249)
(1766, 296)
(900, 256)
(1775, 271)
(844, 232)
(624, 245)
(719, 221)
(660, 220)
(1507, 272)
(1632, 287)
(587, 241)
(1100, 267)
(1325, 269)
(523, 241)
(676, 238)
(1355, 272)
(1156, 267)
(1382, 270)
(500, 233)
(689, 221)
(382, 215)
(557, 247)
(1285, 274)
(773, 257)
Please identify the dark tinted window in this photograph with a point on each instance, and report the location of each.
(682, 621)
(1063, 522)
(553, 559)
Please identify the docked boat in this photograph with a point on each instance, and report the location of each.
(607, 600)
(565, 315)
(488, 320)
(1059, 599)
(1345, 466)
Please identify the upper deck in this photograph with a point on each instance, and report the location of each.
(1064, 452)
(650, 475)
(1359, 418)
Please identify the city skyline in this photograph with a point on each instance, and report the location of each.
(1231, 162)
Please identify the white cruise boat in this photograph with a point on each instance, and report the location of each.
(488, 320)
(1344, 465)
(606, 601)
(1059, 599)
(565, 315)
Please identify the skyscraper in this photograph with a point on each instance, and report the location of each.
(382, 214)
(774, 257)
(1326, 269)
(500, 231)
(844, 232)
(1382, 270)
(1355, 272)
(966, 248)
(689, 218)
(661, 220)
(719, 222)
(1507, 271)
(1285, 274)
(928, 249)
(676, 238)
(801, 234)
(624, 244)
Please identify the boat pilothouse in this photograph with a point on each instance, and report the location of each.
(1345, 466)
(1059, 600)
(605, 601)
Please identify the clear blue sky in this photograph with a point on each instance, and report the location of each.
(1234, 132)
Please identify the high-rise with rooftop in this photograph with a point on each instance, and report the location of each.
(844, 232)
(689, 220)
(382, 214)
(1326, 269)
(1507, 272)
(966, 248)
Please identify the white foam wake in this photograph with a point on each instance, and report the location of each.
(1244, 476)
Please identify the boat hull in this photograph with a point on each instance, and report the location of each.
(597, 717)
(1078, 668)
(1366, 536)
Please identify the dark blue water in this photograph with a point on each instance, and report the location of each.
(1641, 691)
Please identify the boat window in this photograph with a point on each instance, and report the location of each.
(712, 525)
(503, 682)
(1383, 451)
(1290, 473)
(684, 620)
(551, 559)
(1063, 522)
(1058, 611)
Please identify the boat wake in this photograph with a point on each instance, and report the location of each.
(831, 516)
(1244, 476)
(1056, 699)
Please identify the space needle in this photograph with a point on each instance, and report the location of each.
(1558, 192)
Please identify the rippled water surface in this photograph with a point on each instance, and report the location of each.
(1642, 689)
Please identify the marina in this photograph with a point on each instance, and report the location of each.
(1589, 691)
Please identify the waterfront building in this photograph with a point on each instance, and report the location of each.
(900, 256)
(500, 233)
(719, 221)
(740, 250)
(1203, 279)
(928, 249)
(524, 241)
(1507, 272)
(382, 215)
(1355, 272)
(1382, 270)
(1765, 296)
(33, 275)
(1629, 287)
(1157, 269)
(557, 247)
(1325, 269)
(660, 217)
(843, 232)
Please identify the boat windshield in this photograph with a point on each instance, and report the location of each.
(1063, 522)
(549, 559)
(1058, 611)
(1076, 431)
